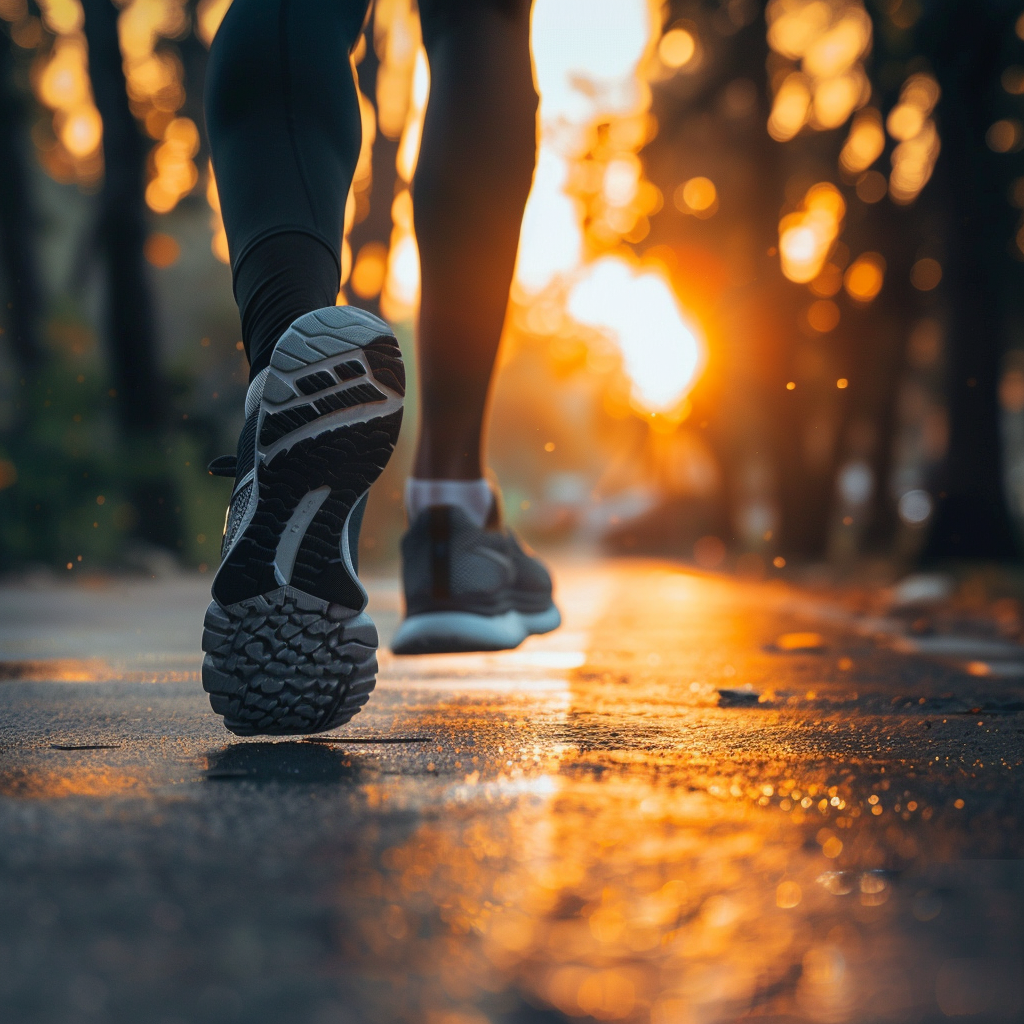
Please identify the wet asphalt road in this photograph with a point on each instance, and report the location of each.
(701, 800)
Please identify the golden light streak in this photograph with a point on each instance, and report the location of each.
(551, 240)
(583, 80)
(72, 781)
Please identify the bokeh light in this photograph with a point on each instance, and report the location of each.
(823, 316)
(926, 274)
(590, 193)
(1005, 136)
(62, 84)
(369, 271)
(161, 250)
(807, 235)
(865, 143)
(825, 42)
(677, 48)
(913, 160)
(697, 196)
(865, 276)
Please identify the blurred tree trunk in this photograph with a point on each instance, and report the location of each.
(895, 232)
(739, 404)
(17, 244)
(130, 319)
(194, 58)
(965, 42)
(376, 225)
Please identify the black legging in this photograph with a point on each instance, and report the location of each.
(284, 127)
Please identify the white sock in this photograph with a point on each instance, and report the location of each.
(474, 497)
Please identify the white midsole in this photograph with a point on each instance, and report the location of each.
(485, 632)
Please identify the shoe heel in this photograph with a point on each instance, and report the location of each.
(289, 648)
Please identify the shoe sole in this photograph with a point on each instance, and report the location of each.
(288, 646)
(463, 632)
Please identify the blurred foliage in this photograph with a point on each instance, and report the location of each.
(757, 317)
(70, 486)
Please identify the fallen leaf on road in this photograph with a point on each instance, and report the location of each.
(800, 642)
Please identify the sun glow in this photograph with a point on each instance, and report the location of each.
(661, 353)
(589, 196)
(589, 193)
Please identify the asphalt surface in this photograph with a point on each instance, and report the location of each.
(701, 800)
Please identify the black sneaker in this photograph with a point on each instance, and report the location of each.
(469, 588)
(289, 647)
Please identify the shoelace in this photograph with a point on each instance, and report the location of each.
(224, 465)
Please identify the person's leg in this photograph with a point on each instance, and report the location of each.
(473, 175)
(469, 585)
(288, 646)
(284, 126)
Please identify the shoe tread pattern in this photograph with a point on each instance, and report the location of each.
(348, 460)
(385, 359)
(274, 666)
(279, 424)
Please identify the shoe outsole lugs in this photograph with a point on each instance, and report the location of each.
(288, 646)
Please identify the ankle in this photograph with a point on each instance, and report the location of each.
(474, 497)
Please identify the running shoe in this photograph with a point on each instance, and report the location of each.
(289, 647)
(469, 588)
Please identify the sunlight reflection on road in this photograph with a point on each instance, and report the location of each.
(699, 800)
(636, 853)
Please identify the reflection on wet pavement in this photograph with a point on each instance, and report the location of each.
(699, 801)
